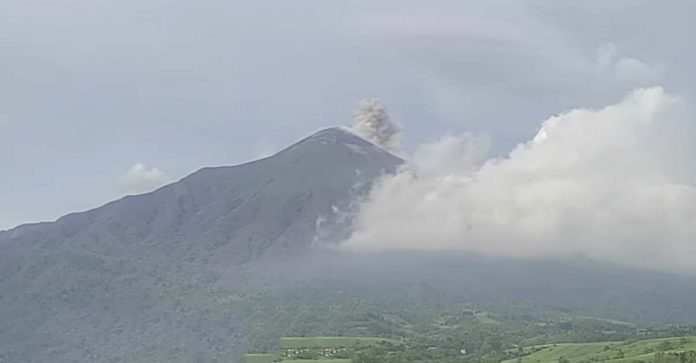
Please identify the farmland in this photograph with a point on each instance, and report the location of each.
(320, 349)
(613, 352)
(261, 358)
(327, 342)
(365, 349)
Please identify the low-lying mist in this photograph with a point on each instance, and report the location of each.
(531, 285)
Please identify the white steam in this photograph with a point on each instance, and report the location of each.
(461, 154)
(371, 121)
(617, 184)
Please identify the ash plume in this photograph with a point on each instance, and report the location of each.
(372, 122)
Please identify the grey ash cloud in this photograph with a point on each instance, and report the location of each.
(371, 121)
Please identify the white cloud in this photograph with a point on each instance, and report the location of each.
(372, 122)
(453, 153)
(624, 68)
(629, 69)
(616, 184)
(141, 178)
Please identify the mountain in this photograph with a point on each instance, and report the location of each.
(140, 273)
(277, 205)
(221, 262)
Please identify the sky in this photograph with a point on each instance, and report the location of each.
(99, 99)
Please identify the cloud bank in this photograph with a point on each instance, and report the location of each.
(141, 178)
(616, 184)
(372, 122)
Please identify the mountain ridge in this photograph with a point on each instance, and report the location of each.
(311, 177)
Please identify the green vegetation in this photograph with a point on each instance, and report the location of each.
(676, 357)
(328, 342)
(614, 352)
(669, 350)
(379, 350)
(251, 312)
(493, 349)
(422, 326)
(320, 349)
(261, 358)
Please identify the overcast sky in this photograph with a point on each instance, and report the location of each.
(103, 98)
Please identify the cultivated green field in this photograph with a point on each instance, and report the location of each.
(613, 352)
(314, 347)
(327, 342)
(260, 358)
(318, 361)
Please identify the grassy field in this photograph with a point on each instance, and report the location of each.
(260, 358)
(613, 352)
(313, 343)
(318, 361)
(270, 358)
(327, 342)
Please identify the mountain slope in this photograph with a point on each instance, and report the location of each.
(275, 205)
(135, 279)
